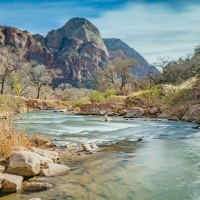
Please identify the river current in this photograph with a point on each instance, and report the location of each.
(163, 166)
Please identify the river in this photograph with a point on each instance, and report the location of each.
(163, 166)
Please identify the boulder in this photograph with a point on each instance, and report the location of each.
(192, 114)
(45, 160)
(162, 115)
(173, 118)
(35, 199)
(36, 186)
(24, 163)
(153, 111)
(54, 169)
(50, 154)
(134, 113)
(10, 183)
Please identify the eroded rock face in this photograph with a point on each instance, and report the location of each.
(79, 49)
(24, 163)
(135, 113)
(10, 183)
(54, 169)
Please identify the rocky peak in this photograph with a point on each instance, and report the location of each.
(76, 33)
(117, 48)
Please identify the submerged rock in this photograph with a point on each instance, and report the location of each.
(36, 186)
(24, 163)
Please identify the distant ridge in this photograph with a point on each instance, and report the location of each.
(76, 48)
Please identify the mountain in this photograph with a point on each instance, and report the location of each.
(77, 49)
(117, 48)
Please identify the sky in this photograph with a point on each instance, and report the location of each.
(154, 28)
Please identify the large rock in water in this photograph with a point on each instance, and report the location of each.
(10, 183)
(24, 163)
(117, 48)
(54, 169)
(135, 113)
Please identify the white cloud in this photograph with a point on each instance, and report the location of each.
(153, 29)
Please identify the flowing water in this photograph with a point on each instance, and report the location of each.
(163, 166)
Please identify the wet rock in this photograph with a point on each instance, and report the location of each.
(10, 183)
(24, 163)
(86, 147)
(61, 110)
(141, 138)
(135, 112)
(93, 146)
(54, 169)
(36, 186)
(107, 118)
(153, 111)
(50, 154)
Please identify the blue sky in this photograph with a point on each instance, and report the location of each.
(154, 28)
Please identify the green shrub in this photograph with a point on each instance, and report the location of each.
(96, 97)
(80, 101)
(110, 92)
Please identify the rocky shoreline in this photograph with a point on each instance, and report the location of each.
(22, 168)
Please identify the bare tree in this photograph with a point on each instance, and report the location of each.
(7, 67)
(41, 76)
(117, 74)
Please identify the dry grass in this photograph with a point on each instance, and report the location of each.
(38, 140)
(11, 140)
